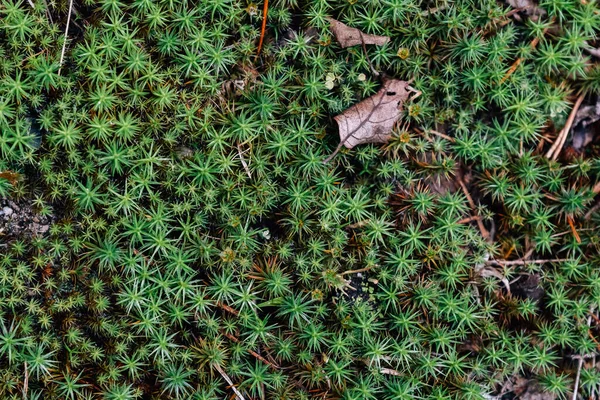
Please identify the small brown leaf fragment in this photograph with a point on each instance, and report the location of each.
(347, 36)
(372, 120)
(10, 176)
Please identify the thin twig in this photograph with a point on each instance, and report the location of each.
(573, 230)
(484, 232)
(594, 52)
(364, 47)
(489, 271)
(25, 381)
(356, 271)
(263, 27)
(440, 134)
(591, 212)
(436, 133)
(519, 60)
(580, 364)
(252, 352)
(525, 262)
(64, 47)
(244, 164)
(228, 379)
(469, 219)
(227, 308)
(562, 136)
(48, 13)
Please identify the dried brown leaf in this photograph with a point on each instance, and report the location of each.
(372, 120)
(10, 176)
(347, 36)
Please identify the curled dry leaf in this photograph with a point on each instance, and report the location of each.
(529, 7)
(347, 36)
(583, 126)
(373, 119)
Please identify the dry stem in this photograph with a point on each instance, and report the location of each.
(524, 262)
(25, 381)
(519, 60)
(252, 352)
(64, 47)
(562, 136)
(263, 27)
(244, 163)
(228, 379)
(484, 232)
(356, 271)
(580, 363)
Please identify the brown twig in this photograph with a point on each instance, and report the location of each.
(263, 28)
(252, 352)
(594, 339)
(524, 262)
(572, 225)
(440, 134)
(364, 47)
(228, 309)
(469, 219)
(484, 232)
(503, 20)
(436, 133)
(236, 340)
(519, 60)
(562, 136)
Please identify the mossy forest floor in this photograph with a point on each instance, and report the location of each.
(181, 218)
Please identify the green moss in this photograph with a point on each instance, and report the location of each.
(200, 241)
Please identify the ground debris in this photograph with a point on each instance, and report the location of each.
(348, 36)
(373, 119)
(586, 126)
(19, 218)
(528, 287)
(529, 8)
(521, 388)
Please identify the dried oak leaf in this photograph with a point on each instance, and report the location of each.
(372, 120)
(347, 36)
